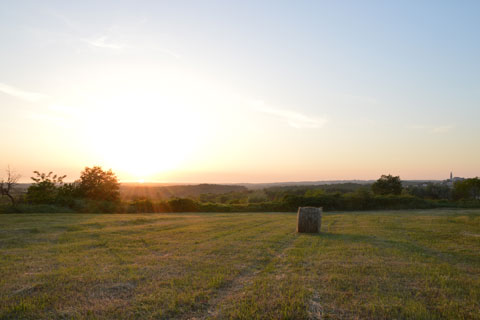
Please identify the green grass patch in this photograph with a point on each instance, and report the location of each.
(412, 264)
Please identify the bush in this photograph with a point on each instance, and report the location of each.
(431, 191)
(35, 208)
(141, 206)
(67, 194)
(387, 184)
(94, 206)
(45, 188)
(468, 189)
(44, 192)
(183, 205)
(97, 184)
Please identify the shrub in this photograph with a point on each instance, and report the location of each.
(45, 188)
(183, 205)
(100, 185)
(387, 184)
(468, 189)
(141, 206)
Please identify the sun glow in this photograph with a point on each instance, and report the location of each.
(144, 135)
(142, 124)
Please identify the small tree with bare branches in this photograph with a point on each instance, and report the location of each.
(7, 186)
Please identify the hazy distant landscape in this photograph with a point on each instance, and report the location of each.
(99, 191)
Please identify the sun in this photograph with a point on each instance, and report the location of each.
(145, 140)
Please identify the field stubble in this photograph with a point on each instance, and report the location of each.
(397, 264)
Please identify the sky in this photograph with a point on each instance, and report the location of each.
(241, 91)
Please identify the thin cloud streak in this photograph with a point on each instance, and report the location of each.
(170, 53)
(104, 38)
(293, 118)
(21, 94)
(102, 42)
(442, 129)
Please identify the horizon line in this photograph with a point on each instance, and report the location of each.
(252, 183)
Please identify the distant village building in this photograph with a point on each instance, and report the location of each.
(452, 180)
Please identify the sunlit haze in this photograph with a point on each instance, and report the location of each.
(241, 91)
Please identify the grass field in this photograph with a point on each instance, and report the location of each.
(397, 264)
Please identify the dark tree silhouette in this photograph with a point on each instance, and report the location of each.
(467, 189)
(387, 184)
(97, 184)
(7, 186)
(42, 177)
(45, 188)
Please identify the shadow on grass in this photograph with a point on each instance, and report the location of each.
(409, 248)
(454, 212)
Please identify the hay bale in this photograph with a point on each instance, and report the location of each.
(309, 219)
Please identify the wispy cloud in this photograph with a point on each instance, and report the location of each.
(113, 37)
(441, 129)
(434, 129)
(21, 94)
(74, 29)
(292, 118)
(58, 115)
(169, 53)
(104, 42)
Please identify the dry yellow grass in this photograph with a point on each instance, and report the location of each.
(379, 265)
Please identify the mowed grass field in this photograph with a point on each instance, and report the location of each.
(364, 265)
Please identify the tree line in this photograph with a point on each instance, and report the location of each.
(98, 190)
(95, 188)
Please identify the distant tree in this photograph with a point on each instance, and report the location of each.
(387, 184)
(467, 189)
(182, 205)
(97, 184)
(67, 193)
(315, 193)
(45, 188)
(255, 199)
(430, 191)
(207, 197)
(7, 186)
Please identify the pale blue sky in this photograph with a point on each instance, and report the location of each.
(230, 91)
